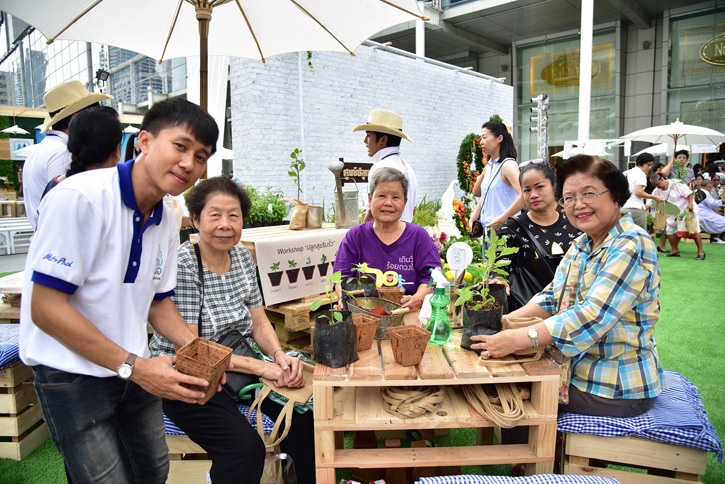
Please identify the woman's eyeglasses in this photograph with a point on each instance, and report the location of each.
(586, 197)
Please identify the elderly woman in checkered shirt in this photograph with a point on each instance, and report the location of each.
(232, 301)
(606, 323)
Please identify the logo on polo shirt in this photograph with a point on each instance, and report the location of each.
(62, 261)
(159, 264)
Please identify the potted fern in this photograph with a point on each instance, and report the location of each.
(483, 302)
(333, 337)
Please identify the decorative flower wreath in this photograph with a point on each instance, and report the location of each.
(470, 147)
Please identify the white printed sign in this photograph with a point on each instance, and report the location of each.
(293, 266)
(17, 148)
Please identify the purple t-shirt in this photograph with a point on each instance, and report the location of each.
(410, 257)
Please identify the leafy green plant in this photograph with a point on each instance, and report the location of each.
(291, 263)
(296, 166)
(274, 266)
(426, 212)
(323, 259)
(331, 296)
(476, 296)
(308, 261)
(264, 206)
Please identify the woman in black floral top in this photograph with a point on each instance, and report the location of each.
(232, 301)
(550, 227)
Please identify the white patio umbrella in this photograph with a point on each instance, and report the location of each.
(164, 29)
(660, 149)
(15, 129)
(673, 133)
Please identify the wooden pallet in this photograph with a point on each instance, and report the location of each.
(22, 428)
(9, 314)
(293, 321)
(665, 463)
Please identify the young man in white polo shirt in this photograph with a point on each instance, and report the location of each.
(102, 263)
(637, 178)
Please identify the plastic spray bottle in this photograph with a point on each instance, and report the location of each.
(438, 324)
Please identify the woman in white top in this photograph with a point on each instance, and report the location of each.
(498, 185)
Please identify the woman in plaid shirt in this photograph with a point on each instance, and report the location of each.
(232, 301)
(607, 326)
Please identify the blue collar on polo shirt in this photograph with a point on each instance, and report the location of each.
(129, 199)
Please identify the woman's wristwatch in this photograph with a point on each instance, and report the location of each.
(533, 336)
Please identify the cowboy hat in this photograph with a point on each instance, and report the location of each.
(67, 99)
(386, 122)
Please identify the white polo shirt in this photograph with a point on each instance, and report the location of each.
(90, 244)
(48, 160)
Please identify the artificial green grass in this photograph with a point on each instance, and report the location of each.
(689, 335)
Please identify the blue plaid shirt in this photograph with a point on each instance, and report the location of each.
(608, 331)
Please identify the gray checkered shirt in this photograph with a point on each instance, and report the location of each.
(227, 297)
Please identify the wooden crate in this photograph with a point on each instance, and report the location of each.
(9, 314)
(665, 463)
(188, 462)
(22, 428)
(293, 321)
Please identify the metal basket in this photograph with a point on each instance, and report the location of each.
(365, 304)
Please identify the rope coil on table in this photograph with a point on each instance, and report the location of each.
(408, 402)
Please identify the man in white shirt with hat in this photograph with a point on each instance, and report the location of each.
(51, 158)
(383, 133)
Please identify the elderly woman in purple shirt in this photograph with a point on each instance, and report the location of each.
(397, 252)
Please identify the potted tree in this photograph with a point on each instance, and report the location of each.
(333, 337)
(361, 285)
(483, 302)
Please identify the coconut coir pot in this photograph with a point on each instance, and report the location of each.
(204, 359)
(365, 327)
(408, 343)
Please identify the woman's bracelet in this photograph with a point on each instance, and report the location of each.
(275, 352)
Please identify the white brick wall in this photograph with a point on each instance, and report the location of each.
(439, 107)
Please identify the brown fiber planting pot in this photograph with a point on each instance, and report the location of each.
(365, 327)
(394, 294)
(204, 359)
(408, 343)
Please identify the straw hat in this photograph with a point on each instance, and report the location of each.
(381, 121)
(67, 99)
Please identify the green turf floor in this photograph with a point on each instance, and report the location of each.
(689, 335)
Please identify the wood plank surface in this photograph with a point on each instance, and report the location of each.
(392, 370)
(15, 374)
(432, 456)
(13, 426)
(623, 477)
(368, 366)
(435, 365)
(20, 450)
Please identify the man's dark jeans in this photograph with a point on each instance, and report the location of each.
(108, 430)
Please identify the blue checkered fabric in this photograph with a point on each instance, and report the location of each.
(9, 344)
(172, 429)
(678, 418)
(538, 479)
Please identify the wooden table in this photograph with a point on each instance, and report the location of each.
(349, 398)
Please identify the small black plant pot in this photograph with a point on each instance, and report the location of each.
(292, 275)
(334, 345)
(479, 322)
(308, 271)
(365, 284)
(323, 268)
(275, 278)
(498, 291)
